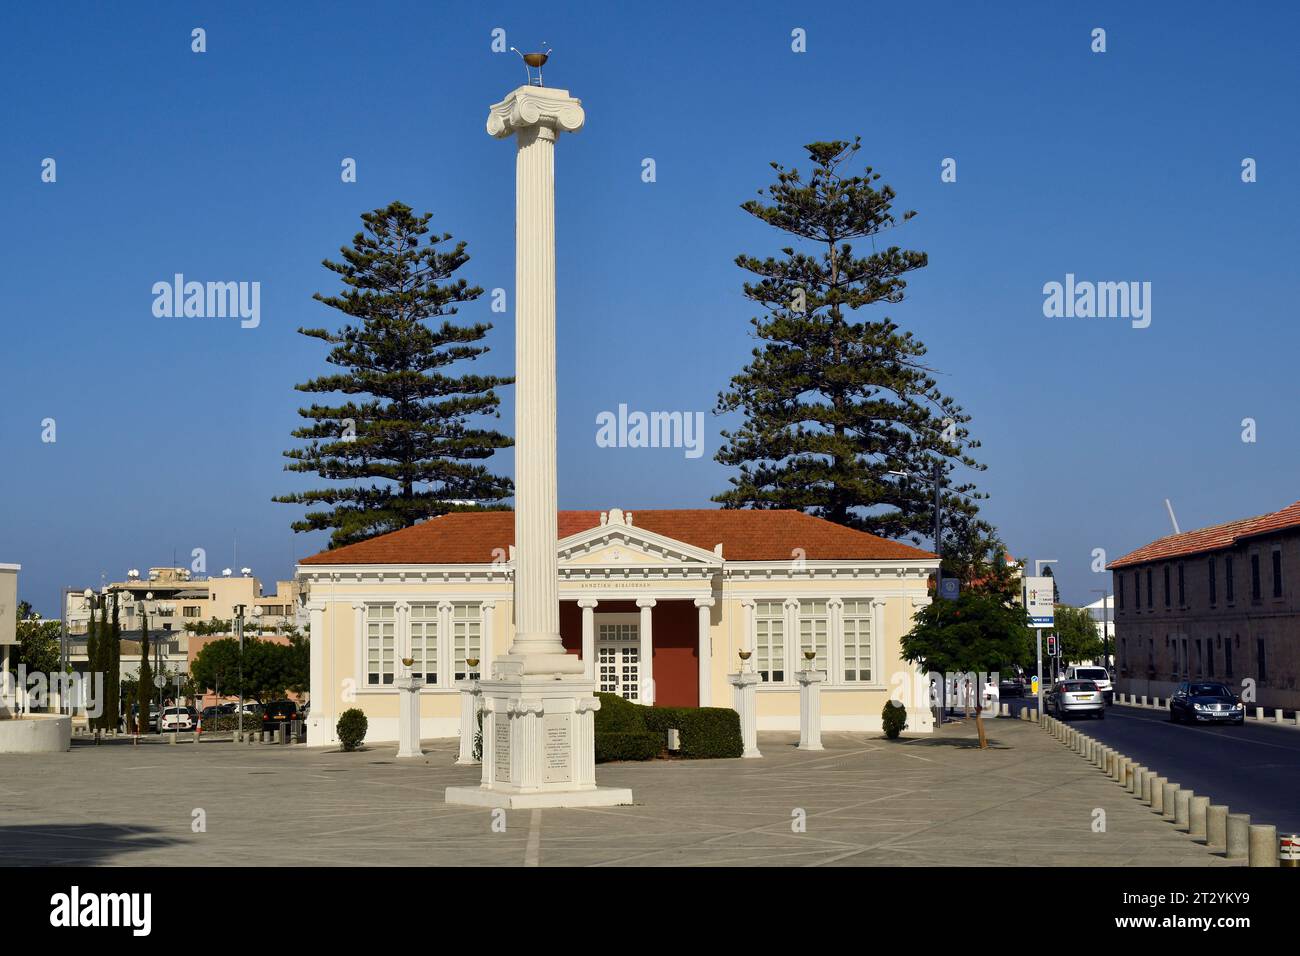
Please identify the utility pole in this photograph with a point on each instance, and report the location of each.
(239, 634)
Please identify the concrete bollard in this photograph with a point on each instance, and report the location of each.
(275, 736)
(1259, 713)
(1216, 827)
(1196, 814)
(1183, 810)
(197, 735)
(1169, 806)
(1120, 770)
(1262, 848)
(1157, 800)
(1277, 715)
(1144, 700)
(171, 738)
(1005, 710)
(1238, 838)
(1135, 780)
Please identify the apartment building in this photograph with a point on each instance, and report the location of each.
(1219, 603)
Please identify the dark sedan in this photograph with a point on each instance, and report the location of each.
(278, 712)
(1210, 702)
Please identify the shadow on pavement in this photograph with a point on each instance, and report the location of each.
(84, 844)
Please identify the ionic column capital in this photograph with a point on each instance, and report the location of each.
(646, 602)
(586, 603)
(535, 106)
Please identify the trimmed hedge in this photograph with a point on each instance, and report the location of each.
(706, 732)
(619, 716)
(628, 745)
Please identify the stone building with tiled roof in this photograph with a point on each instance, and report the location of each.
(657, 604)
(1219, 603)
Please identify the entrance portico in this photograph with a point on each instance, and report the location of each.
(624, 581)
(650, 650)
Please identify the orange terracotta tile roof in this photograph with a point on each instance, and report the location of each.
(471, 537)
(1214, 538)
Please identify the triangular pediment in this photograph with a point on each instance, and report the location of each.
(618, 543)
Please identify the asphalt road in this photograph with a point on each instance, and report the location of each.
(1254, 769)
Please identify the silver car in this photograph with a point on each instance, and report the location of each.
(1069, 697)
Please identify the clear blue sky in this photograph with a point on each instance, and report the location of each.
(225, 166)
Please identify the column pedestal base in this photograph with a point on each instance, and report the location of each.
(746, 703)
(408, 717)
(538, 747)
(810, 709)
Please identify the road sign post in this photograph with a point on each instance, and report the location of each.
(1040, 605)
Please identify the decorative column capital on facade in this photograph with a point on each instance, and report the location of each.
(521, 706)
(705, 602)
(585, 704)
(315, 606)
(646, 602)
(542, 107)
(588, 603)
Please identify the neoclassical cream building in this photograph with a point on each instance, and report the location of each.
(657, 604)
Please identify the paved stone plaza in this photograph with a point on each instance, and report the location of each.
(868, 802)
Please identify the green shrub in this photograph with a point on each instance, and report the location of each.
(628, 745)
(893, 718)
(351, 728)
(706, 732)
(619, 716)
(229, 723)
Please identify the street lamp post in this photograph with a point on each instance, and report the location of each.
(89, 595)
(239, 635)
(937, 482)
(1105, 624)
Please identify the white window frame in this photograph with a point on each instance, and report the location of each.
(424, 635)
(366, 622)
(862, 619)
(459, 637)
(771, 655)
(807, 620)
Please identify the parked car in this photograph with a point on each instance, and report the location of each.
(1098, 675)
(1011, 687)
(1069, 697)
(176, 718)
(153, 718)
(278, 712)
(1208, 701)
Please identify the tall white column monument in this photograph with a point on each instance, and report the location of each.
(538, 706)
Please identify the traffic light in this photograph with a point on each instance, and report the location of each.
(1051, 645)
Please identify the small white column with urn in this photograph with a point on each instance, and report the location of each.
(810, 704)
(746, 684)
(470, 705)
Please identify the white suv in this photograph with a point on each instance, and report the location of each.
(1098, 675)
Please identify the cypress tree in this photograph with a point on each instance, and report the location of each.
(144, 686)
(92, 656)
(112, 655)
(830, 404)
(401, 445)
